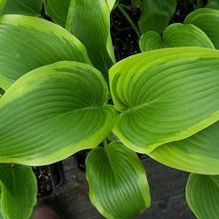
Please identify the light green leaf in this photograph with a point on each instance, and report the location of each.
(117, 181)
(1, 214)
(57, 10)
(96, 35)
(207, 20)
(25, 7)
(165, 95)
(202, 195)
(53, 112)
(197, 154)
(175, 35)
(156, 14)
(27, 43)
(18, 191)
(2, 5)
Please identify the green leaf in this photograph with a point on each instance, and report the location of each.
(197, 154)
(117, 181)
(2, 5)
(18, 191)
(1, 214)
(202, 195)
(96, 35)
(25, 7)
(175, 35)
(165, 95)
(53, 112)
(207, 20)
(156, 14)
(57, 10)
(213, 4)
(27, 43)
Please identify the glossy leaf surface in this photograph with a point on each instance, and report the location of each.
(165, 95)
(207, 20)
(117, 181)
(25, 7)
(58, 110)
(198, 153)
(18, 191)
(27, 43)
(156, 14)
(96, 35)
(202, 195)
(175, 35)
(57, 10)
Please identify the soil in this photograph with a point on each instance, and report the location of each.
(49, 178)
(124, 38)
(45, 187)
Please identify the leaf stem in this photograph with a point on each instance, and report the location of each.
(126, 15)
(105, 143)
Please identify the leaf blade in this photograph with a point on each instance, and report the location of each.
(28, 43)
(57, 10)
(202, 195)
(97, 39)
(206, 19)
(58, 110)
(18, 191)
(156, 15)
(116, 177)
(24, 7)
(138, 82)
(189, 154)
(172, 37)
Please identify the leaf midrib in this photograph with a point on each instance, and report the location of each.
(140, 106)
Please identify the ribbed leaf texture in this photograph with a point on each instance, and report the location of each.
(175, 35)
(96, 36)
(117, 181)
(24, 7)
(58, 110)
(206, 19)
(57, 10)
(18, 191)
(165, 95)
(27, 43)
(197, 154)
(202, 195)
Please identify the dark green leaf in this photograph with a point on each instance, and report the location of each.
(25, 7)
(213, 4)
(118, 185)
(57, 10)
(156, 15)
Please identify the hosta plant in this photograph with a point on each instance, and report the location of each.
(62, 92)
